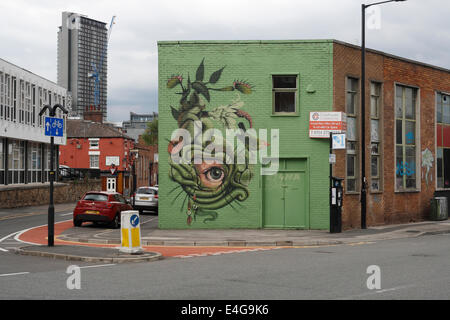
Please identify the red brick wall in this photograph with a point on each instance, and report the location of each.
(75, 153)
(388, 206)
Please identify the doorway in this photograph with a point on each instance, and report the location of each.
(286, 196)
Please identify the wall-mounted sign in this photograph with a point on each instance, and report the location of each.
(338, 141)
(322, 123)
(112, 160)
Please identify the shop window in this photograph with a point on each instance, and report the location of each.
(443, 140)
(284, 94)
(375, 137)
(405, 138)
(351, 103)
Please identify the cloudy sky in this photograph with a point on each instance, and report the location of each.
(415, 29)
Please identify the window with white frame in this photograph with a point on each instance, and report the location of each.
(375, 136)
(405, 138)
(352, 159)
(284, 94)
(94, 162)
(443, 140)
(94, 143)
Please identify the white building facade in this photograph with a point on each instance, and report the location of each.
(24, 147)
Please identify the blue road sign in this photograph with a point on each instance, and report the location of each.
(134, 220)
(54, 127)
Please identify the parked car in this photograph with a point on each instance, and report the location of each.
(100, 207)
(145, 198)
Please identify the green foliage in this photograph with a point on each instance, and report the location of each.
(150, 135)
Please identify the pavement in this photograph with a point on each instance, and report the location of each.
(95, 243)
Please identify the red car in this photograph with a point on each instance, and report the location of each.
(100, 206)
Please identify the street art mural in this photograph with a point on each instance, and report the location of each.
(427, 164)
(209, 178)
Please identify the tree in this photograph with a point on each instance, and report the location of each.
(150, 135)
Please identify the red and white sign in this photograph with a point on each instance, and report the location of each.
(322, 123)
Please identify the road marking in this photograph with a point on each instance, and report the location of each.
(4, 238)
(99, 266)
(19, 233)
(65, 214)
(13, 274)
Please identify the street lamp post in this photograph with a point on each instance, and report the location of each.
(51, 207)
(363, 111)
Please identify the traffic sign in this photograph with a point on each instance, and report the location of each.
(54, 127)
(134, 220)
(338, 141)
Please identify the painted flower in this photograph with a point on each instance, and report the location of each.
(174, 81)
(242, 86)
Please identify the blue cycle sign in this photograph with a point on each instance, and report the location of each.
(54, 127)
(134, 220)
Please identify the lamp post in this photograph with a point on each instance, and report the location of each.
(51, 207)
(363, 111)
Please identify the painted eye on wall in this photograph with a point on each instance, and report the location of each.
(211, 174)
(214, 174)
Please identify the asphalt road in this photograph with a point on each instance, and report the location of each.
(414, 268)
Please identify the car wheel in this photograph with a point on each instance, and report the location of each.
(141, 211)
(77, 223)
(115, 224)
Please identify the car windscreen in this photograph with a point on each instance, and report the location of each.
(96, 197)
(145, 191)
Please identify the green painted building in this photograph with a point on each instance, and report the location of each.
(244, 85)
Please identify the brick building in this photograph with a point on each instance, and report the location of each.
(146, 164)
(274, 85)
(99, 146)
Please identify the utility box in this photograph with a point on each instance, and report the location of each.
(130, 232)
(337, 195)
(439, 209)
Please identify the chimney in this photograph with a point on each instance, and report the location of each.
(93, 113)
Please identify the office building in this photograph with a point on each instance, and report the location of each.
(81, 43)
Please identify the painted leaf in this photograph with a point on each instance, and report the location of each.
(175, 113)
(200, 71)
(216, 76)
(194, 99)
(199, 87)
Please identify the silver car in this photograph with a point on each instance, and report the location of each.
(146, 198)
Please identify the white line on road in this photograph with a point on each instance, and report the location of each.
(99, 266)
(66, 214)
(4, 238)
(13, 274)
(19, 233)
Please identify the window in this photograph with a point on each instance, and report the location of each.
(443, 140)
(34, 161)
(94, 161)
(351, 103)
(16, 162)
(284, 94)
(2, 163)
(375, 139)
(405, 138)
(93, 143)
